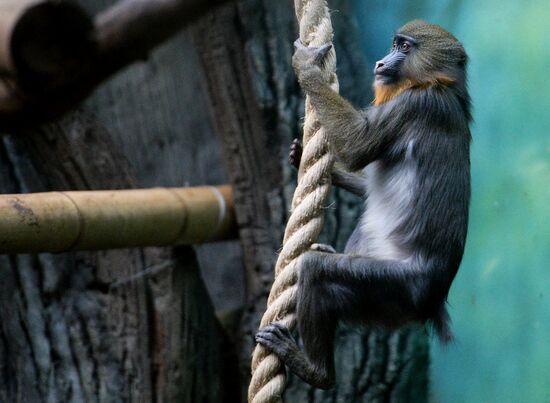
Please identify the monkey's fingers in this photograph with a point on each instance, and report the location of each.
(322, 51)
(293, 160)
(296, 145)
(295, 154)
(277, 338)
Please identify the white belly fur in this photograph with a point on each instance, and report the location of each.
(389, 196)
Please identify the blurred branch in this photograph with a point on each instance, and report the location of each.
(52, 56)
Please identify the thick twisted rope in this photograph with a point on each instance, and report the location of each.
(307, 217)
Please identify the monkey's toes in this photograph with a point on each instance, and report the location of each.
(275, 337)
(268, 339)
(273, 332)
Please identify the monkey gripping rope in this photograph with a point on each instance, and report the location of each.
(306, 220)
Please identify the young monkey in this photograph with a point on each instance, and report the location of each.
(409, 153)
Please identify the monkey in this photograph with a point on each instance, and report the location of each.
(408, 154)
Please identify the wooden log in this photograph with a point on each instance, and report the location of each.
(89, 220)
(123, 34)
(128, 30)
(42, 38)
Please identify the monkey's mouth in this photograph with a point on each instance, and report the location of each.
(385, 77)
(385, 73)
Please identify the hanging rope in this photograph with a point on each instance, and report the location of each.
(306, 220)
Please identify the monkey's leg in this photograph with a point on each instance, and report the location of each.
(336, 287)
(317, 328)
(317, 325)
(362, 288)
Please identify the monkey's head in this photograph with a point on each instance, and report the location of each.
(422, 54)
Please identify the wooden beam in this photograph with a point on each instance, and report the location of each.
(42, 38)
(83, 58)
(109, 219)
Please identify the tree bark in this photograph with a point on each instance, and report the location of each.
(256, 104)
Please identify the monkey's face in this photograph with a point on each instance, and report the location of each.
(421, 53)
(392, 68)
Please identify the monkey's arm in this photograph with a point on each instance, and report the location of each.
(348, 181)
(357, 137)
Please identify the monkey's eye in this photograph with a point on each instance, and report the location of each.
(393, 46)
(405, 47)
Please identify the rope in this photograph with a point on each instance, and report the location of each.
(306, 220)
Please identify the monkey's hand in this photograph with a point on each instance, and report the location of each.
(307, 63)
(295, 154)
(278, 339)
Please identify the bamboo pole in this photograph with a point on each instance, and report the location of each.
(88, 220)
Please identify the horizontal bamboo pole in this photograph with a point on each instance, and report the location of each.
(108, 219)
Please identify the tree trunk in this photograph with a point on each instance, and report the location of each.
(245, 50)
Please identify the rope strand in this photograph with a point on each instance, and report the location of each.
(306, 220)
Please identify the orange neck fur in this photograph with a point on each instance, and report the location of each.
(384, 93)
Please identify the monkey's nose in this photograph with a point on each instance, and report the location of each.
(378, 66)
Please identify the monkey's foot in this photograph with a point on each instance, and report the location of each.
(295, 154)
(321, 247)
(278, 339)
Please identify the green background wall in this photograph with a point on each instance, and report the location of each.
(500, 301)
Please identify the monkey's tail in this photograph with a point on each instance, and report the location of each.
(442, 325)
